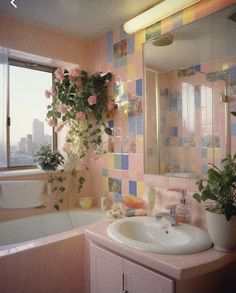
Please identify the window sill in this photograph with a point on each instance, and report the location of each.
(15, 173)
(27, 172)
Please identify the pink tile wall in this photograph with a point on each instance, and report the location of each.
(128, 70)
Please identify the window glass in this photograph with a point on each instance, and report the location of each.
(27, 110)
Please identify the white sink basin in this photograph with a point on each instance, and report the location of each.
(147, 234)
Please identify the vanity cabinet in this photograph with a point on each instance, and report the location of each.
(111, 273)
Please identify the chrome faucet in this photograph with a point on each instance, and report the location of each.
(170, 217)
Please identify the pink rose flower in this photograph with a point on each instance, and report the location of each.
(47, 94)
(80, 115)
(74, 73)
(59, 127)
(51, 122)
(59, 73)
(62, 108)
(92, 100)
(110, 105)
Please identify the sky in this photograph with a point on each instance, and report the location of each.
(27, 100)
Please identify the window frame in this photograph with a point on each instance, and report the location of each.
(33, 66)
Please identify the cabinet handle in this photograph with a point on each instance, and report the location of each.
(123, 284)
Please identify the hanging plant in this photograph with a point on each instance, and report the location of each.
(83, 102)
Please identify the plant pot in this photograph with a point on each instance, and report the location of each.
(221, 231)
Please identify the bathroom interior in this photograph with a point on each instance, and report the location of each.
(133, 223)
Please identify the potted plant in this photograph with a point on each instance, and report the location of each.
(48, 159)
(83, 103)
(219, 194)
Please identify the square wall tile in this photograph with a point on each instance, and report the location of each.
(140, 189)
(139, 125)
(110, 161)
(233, 129)
(117, 161)
(114, 185)
(104, 172)
(132, 125)
(139, 87)
(131, 43)
(133, 187)
(105, 184)
(109, 39)
(124, 162)
(131, 72)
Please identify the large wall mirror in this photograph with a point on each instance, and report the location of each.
(190, 81)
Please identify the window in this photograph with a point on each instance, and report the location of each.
(26, 111)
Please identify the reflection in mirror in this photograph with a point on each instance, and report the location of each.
(188, 75)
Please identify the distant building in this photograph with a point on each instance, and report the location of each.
(22, 145)
(29, 142)
(38, 132)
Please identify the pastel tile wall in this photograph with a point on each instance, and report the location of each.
(122, 54)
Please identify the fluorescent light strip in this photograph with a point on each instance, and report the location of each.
(156, 13)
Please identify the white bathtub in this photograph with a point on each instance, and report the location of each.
(16, 232)
(45, 253)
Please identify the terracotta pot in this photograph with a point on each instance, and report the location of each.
(221, 231)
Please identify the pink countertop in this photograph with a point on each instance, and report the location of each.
(179, 267)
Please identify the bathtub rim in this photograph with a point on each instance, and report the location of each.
(30, 244)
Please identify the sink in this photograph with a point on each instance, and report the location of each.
(147, 234)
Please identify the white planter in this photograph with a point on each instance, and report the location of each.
(221, 231)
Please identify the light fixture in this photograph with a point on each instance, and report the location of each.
(156, 13)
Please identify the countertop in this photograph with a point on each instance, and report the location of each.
(179, 267)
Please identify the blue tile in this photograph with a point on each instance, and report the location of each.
(110, 46)
(197, 97)
(139, 86)
(131, 42)
(204, 168)
(139, 125)
(118, 197)
(123, 34)
(133, 187)
(233, 129)
(174, 102)
(232, 72)
(111, 123)
(197, 67)
(204, 142)
(132, 125)
(124, 162)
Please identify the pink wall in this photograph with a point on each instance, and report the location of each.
(124, 166)
(40, 41)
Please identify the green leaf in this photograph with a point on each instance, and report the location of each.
(197, 197)
(56, 206)
(62, 189)
(49, 114)
(57, 114)
(108, 131)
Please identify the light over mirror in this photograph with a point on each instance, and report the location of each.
(190, 83)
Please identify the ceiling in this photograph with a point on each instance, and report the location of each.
(86, 19)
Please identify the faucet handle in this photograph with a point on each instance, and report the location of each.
(171, 208)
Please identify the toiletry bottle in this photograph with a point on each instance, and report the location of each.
(183, 209)
(151, 200)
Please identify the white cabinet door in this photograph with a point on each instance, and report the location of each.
(106, 271)
(142, 280)
(110, 273)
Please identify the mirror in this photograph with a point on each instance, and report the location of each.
(190, 84)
